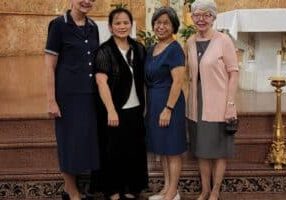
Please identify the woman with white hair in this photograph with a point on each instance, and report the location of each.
(213, 71)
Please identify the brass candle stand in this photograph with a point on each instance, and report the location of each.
(277, 154)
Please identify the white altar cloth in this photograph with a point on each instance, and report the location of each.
(252, 20)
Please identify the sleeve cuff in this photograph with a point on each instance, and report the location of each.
(51, 52)
(101, 71)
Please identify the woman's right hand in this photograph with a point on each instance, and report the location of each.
(230, 111)
(53, 109)
(165, 117)
(113, 119)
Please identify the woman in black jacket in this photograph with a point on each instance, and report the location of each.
(120, 79)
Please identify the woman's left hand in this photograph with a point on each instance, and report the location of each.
(165, 116)
(230, 112)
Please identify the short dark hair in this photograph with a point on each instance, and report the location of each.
(171, 14)
(117, 11)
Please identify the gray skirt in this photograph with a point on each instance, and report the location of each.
(208, 140)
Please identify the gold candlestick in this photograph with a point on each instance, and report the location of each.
(277, 154)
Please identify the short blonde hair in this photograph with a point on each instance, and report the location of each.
(207, 5)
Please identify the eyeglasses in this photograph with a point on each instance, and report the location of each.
(205, 16)
(164, 23)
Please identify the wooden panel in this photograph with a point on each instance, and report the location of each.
(34, 160)
(138, 11)
(23, 34)
(226, 5)
(45, 7)
(255, 126)
(41, 7)
(22, 87)
(27, 147)
(26, 132)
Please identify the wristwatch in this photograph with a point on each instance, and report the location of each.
(169, 108)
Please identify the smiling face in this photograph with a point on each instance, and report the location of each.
(82, 6)
(121, 25)
(203, 20)
(163, 27)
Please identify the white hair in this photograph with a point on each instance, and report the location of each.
(207, 5)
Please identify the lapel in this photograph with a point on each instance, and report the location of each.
(122, 65)
(74, 28)
(89, 26)
(135, 53)
(138, 60)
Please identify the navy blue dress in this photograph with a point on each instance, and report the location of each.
(169, 140)
(76, 130)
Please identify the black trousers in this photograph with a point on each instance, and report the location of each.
(123, 154)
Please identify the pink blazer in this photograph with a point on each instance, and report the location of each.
(219, 59)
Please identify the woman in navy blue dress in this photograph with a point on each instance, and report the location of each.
(71, 44)
(165, 119)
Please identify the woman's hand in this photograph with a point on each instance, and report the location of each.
(113, 119)
(230, 111)
(53, 109)
(165, 116)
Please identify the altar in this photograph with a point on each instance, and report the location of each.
(258, 34)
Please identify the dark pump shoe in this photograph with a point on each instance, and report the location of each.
(89, 197)
(65, 196)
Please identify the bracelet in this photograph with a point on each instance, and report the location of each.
(230, 103)
(169, 108)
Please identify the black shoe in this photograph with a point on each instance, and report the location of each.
(89, 197)
(65, 196)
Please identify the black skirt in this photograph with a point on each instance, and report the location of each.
(76, 134)
(123, 153)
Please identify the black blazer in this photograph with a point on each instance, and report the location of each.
(110, 61)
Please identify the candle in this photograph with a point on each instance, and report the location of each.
(278, 67)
